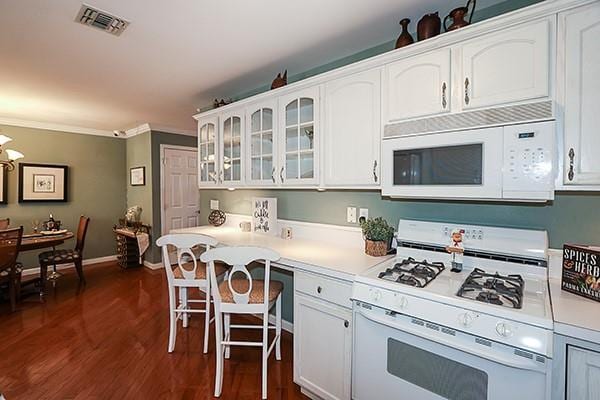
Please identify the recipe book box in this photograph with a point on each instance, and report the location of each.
(581, 270)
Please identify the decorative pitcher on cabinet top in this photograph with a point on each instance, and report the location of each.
(428, 26)
(458, 16)
(405, 38)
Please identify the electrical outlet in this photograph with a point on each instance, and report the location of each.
(351, 215)
(363, 214)
(214, 204)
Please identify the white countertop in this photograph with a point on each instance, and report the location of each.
(312, 255)
(574, 316)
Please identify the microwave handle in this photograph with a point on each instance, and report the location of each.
(495, 357)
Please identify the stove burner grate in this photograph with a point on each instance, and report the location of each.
(413, 273)
(496, 289)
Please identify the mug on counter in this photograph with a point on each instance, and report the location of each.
(245, 226)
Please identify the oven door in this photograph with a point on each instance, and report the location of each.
(454, 165)
(391, 362)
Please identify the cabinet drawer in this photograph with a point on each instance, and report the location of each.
(321, 287)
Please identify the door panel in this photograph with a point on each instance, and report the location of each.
(583, 374)
(180, 193)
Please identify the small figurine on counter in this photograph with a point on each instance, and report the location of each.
(456, 249)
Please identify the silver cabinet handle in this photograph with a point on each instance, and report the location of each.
(281, 174)
(221, 176)
(346, 323)
(375, 170)
(273, 175)
(571, 164)
(444, 102)
(467, 99)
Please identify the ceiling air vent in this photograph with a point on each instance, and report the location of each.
(102, 20)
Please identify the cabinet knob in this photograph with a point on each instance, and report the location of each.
(571, 164)
(319, 289)
(375, 170)
(444, 101)
(346, 324)
(467, 99)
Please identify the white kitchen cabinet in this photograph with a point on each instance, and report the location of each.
(352, 133)
(208, 152)
(230, 170)
(417, 86)
(579, 33)
(261, 137)
(322, 347)
(510, 66)
(583, 374)
(299, 137)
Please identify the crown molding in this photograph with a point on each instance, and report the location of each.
(176, 131)
(54, 127)
(138, 130)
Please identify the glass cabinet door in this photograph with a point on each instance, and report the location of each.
(299, 143)
(261, 145)
(207, 150)
(232, 154)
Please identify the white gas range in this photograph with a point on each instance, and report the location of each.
(424, 332)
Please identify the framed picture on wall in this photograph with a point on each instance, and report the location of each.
(43, 182)
(3, 185)
(137, 176)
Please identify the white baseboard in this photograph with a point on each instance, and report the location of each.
(285, 325)
(88, 261)
(152, 266)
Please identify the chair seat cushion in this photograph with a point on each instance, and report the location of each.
(61, 256)
(200, 270)
(257, 293)
(18, 270)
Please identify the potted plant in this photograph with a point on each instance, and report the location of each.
(377, 234)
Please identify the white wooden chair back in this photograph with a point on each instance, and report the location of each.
(183, 242)
(239, 258)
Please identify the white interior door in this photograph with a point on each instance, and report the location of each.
(180, 188)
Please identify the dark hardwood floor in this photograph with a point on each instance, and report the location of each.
(108, 340)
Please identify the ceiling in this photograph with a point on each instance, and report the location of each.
(176, 55)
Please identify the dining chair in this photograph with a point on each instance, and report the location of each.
(10, 270)
(4, 223)
(67, 256)
(244, 295)
(187, 272)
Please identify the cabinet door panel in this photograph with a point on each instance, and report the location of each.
(583, 374)
(208, 152)
(506, 67)
(261, 139)
(581, 30)
(353, 130)
(322, 348)
(418, 86)
(231, 134)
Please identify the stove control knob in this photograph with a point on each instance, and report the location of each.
(401, 301)
(503, 329)
(375, 295)
(466, 319)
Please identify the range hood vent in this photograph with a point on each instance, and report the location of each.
(102, 20)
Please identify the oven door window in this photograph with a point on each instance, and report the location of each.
(448, 165)
(442, 376)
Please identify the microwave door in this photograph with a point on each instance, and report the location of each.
(415, 169)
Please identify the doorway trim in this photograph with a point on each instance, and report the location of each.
(164, 147)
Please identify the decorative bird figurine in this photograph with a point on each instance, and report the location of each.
(279, 81)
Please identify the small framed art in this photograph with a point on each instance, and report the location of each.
(137, 176)
(43, 182)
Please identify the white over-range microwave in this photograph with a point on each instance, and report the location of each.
(506, 163)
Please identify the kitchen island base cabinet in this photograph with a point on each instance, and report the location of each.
(322, 348)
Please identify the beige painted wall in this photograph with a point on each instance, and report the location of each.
(139, 155)
(96, 184)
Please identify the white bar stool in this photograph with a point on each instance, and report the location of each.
(244, 296)
(187, 274)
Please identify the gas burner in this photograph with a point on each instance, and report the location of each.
(413, 273)
(493, 288)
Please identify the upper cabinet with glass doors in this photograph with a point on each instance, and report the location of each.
(262, 143)
(231, 156)
(207, 149)
(299, 133)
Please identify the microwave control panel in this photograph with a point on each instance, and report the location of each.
(529, 159)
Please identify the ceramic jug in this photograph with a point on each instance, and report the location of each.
(429, 26)
(458, 16)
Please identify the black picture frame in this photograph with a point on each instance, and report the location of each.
(4, 186)
(64, 195)
(131, 170)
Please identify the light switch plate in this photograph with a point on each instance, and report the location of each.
(214, 204)
(363, 214)
(351, 215)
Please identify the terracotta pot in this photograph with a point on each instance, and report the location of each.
(376, 248)
(429, 26)
(405, 38)
(458, 16)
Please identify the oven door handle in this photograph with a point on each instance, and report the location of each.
(520, 363)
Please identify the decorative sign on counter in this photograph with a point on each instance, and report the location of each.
(581, 270)
(264, 215)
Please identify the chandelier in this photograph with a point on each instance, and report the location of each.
(12, 155)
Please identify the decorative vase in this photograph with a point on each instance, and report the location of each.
(405, 38)
(458, 16)
(429, 26)
(376, 248)
(279, 81)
